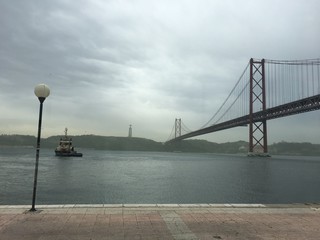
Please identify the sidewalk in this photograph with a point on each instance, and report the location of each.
(161, 221)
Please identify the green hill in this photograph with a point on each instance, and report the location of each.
(286, 148)
(142, 144)
(17, 140)
(108, 143)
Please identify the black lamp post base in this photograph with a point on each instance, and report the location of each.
(33, 210)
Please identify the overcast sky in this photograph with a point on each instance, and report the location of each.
(112, 63)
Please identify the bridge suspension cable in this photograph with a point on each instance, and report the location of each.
(288, 81)
(171, 136)
(266, 89)
(237, 91)
(185, 128)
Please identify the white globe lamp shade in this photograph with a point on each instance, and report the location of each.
(42, 91)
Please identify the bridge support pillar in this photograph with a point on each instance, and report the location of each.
(177, 127)
(258, 145)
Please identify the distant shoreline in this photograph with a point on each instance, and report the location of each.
(143, 144)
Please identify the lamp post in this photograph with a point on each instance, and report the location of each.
(42, 91)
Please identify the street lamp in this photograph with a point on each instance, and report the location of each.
(41, 91)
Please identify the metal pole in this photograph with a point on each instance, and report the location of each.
(37, 157)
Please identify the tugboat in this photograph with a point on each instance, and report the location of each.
(65, 148)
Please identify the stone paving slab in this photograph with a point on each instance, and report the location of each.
(160, 221)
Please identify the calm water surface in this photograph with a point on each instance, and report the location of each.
(149, 177)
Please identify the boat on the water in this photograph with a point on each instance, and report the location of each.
(65, 148)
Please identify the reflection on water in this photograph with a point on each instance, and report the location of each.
(147, 177)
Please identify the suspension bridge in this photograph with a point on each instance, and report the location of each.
(267, 89)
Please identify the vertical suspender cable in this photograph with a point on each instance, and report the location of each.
(312, 76)
(318, 67)
(302, 88)
(306, 76)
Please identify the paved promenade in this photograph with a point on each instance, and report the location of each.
(161, 221)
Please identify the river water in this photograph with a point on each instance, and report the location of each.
(152, 177)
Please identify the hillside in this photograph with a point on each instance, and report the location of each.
(142, 144)
(108, 143)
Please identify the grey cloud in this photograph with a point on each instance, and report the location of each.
(114, 63)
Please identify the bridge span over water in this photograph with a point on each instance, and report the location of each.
(267, 89)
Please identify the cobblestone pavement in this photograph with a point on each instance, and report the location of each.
(161, 221)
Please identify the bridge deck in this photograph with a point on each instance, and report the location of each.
(296, 107)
